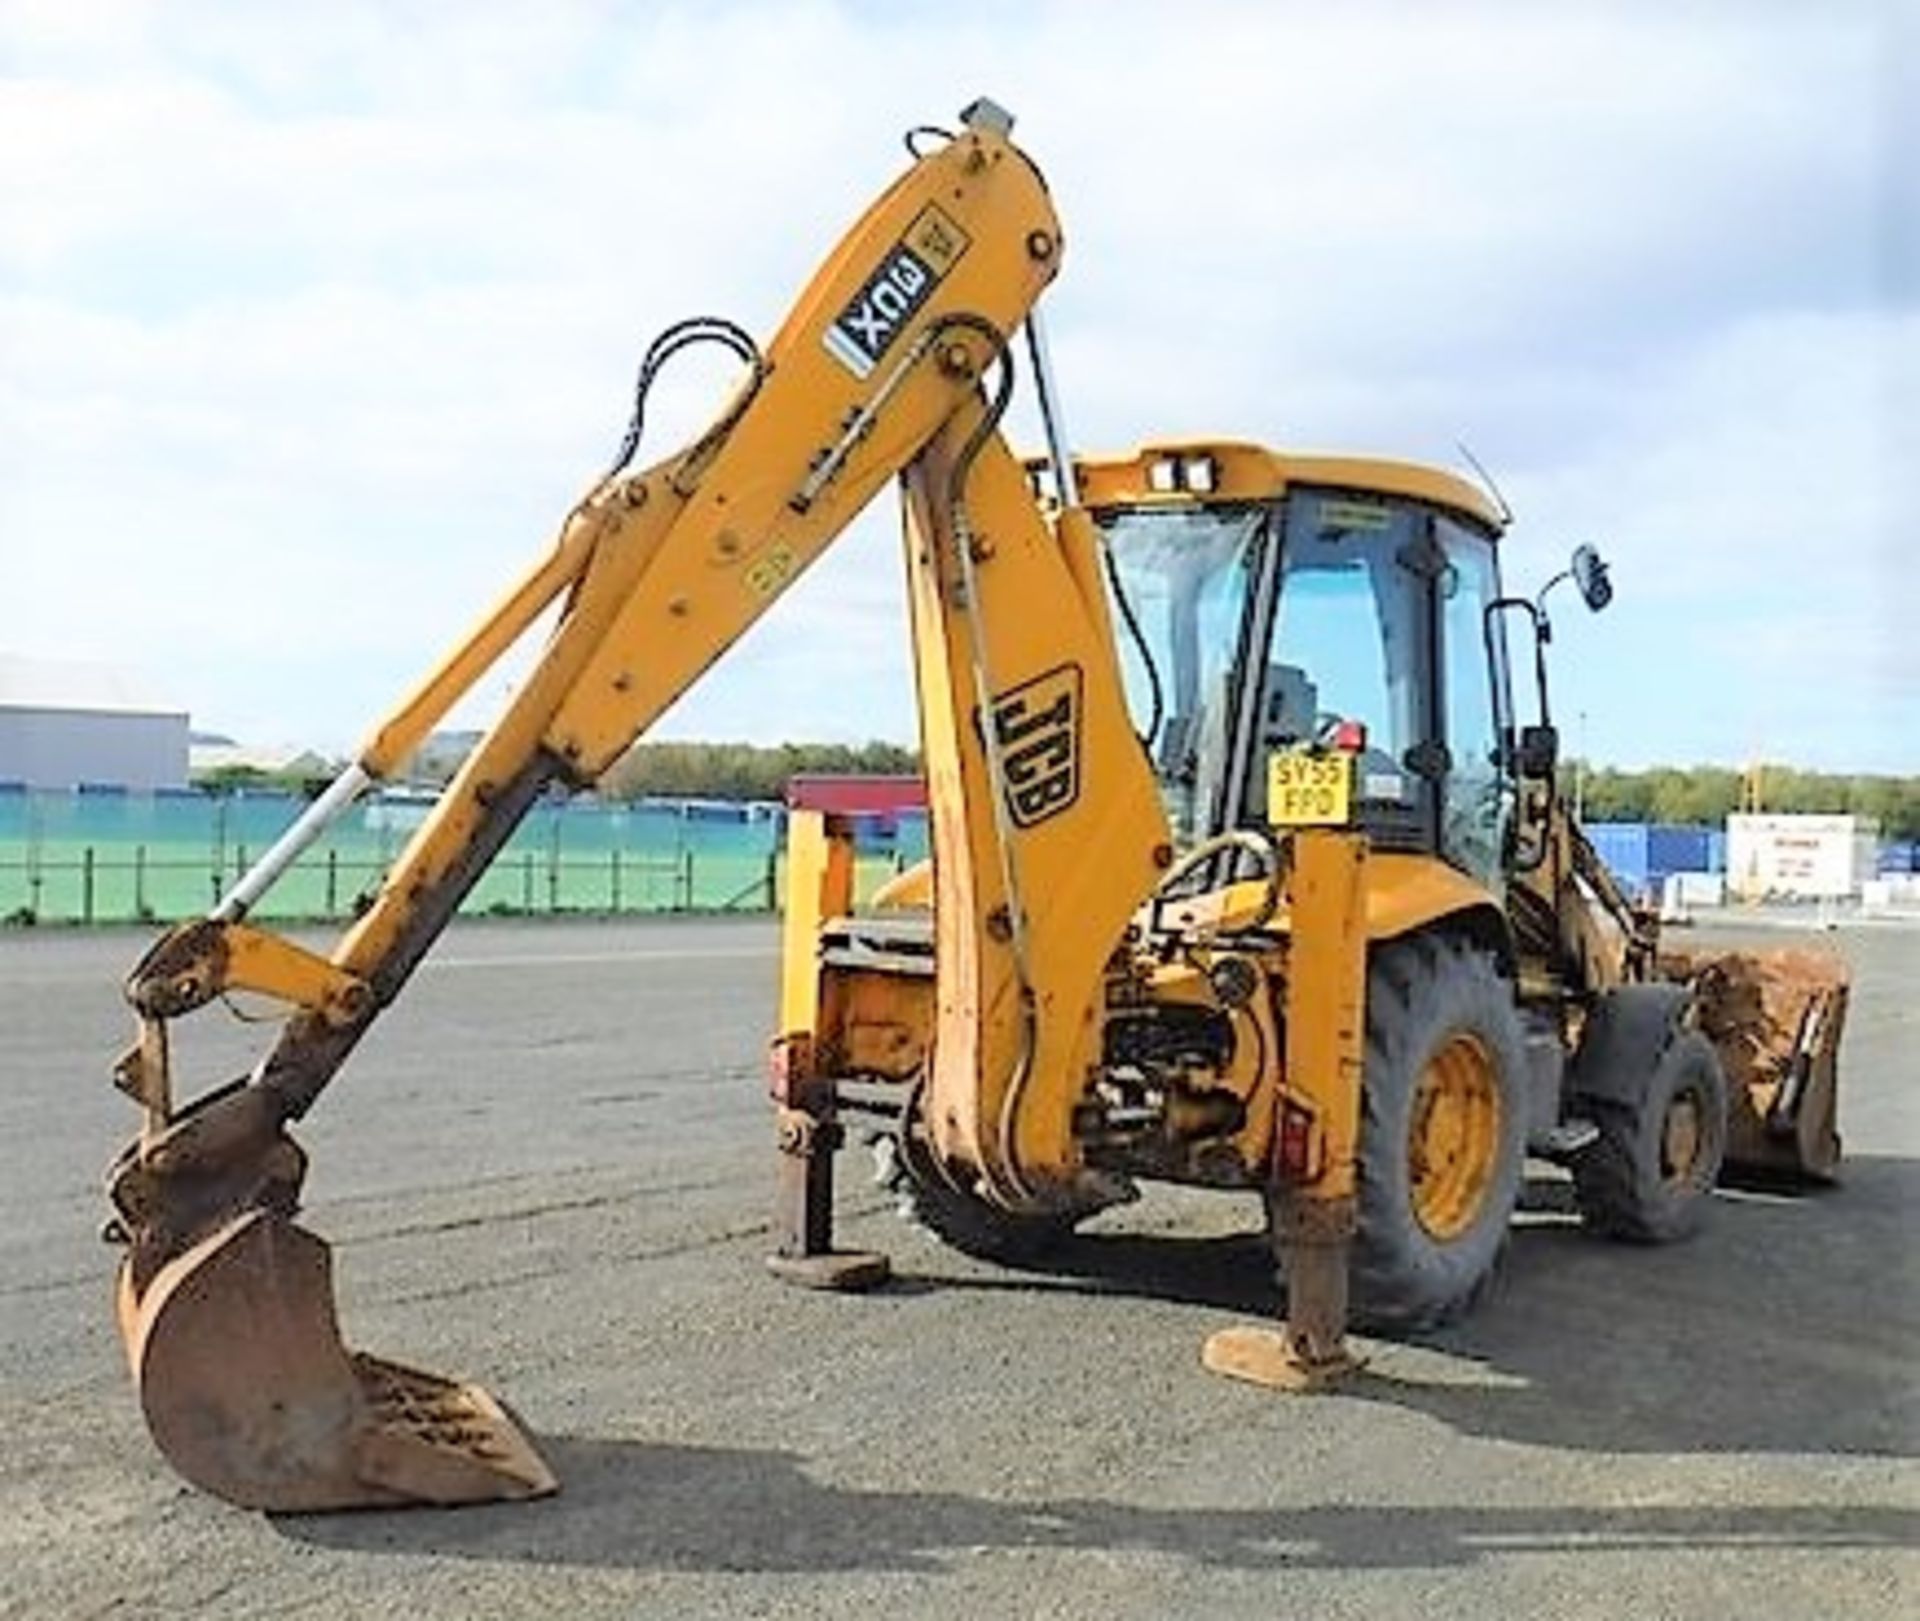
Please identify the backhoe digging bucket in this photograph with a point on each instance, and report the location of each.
(250, 1394)
(1775, 1018)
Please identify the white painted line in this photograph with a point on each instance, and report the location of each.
(575, 959)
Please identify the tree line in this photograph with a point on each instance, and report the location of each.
(745, 770)
(1694, 795)
(736, 771)
(1707, 795)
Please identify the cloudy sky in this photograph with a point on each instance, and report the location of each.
(314, 318)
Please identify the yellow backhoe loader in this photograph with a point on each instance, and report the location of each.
(1243, 872)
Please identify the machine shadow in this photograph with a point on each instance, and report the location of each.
(631, 1505)
(1790, 1324)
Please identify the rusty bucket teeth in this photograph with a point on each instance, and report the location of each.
(249, 1393)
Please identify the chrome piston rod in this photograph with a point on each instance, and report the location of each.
(1064, 478)
(292, 844)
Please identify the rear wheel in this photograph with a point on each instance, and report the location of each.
(1443, 1131)
(965, 1220)
(1663, 1135)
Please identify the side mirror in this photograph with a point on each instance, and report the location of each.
(1590, 576)
(1539, 754)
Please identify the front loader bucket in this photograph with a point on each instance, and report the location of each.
(249, 1393)
(1775, 1017)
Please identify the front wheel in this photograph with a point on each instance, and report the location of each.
(1663, 1136)
(1443, 1131)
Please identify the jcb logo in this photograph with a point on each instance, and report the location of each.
(1038, 727)
(880, 311)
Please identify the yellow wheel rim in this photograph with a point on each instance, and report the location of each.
(1454, 1143)
(1682, 1140)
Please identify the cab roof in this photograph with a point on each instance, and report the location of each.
(1185, 471)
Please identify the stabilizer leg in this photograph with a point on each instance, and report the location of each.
(803, 1251)
(1311, 1197)
(1308, 1351)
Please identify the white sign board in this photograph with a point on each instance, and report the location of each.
(1800, 857)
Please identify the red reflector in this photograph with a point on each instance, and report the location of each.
(1296, 1141)
(1350, 737)
(789, 1060)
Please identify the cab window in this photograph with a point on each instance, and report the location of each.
(1347, 644)
(1476, 800)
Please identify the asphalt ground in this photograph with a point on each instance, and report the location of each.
(548, 1166)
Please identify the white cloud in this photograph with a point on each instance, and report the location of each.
(1743, 500)
(314, 320)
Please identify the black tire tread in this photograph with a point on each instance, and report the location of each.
(963, 1220)
(1603, 1182)
(1410, 983)
(974, 1226)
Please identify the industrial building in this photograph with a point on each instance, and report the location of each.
(65, 724)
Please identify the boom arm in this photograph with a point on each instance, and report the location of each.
(1040, 785)
(666, 568)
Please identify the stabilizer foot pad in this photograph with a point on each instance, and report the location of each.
(1262, 1356)
(847, 1270)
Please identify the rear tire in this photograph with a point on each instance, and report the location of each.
(1443, 1132)
(963, 1220)
(977, 1227)
(1649, 1175)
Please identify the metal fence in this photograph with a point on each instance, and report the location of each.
(101, 856)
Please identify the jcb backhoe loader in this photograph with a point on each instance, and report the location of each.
(1170, 939)
(1314, 650)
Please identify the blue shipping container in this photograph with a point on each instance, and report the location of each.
(1673, 849)
(1623, 847)
(1642, 855)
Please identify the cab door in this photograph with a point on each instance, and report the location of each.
(1351, 639)
(1475, 703)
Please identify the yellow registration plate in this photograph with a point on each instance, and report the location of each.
(1309, 790)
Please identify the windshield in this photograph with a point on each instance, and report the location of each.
(1185, 579)
(1249, 631)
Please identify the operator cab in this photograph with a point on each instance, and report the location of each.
(1267, 603)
